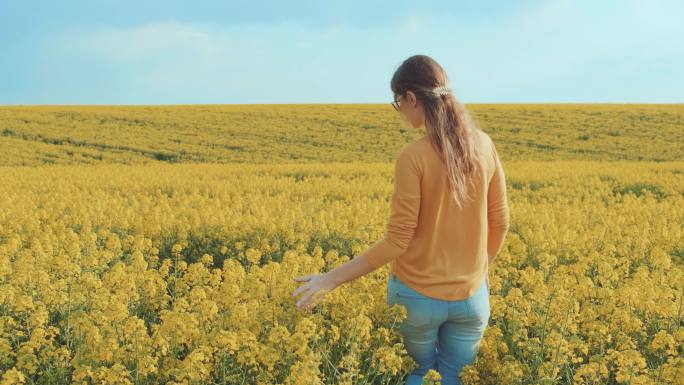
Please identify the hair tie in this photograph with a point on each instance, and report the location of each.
(441, 90)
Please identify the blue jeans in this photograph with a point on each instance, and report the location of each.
(439, 334)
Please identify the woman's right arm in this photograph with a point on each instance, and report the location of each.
(498, 216)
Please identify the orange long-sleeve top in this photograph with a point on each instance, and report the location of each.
(432, 245)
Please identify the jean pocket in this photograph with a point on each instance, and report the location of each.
(419, 308)
(419, 311)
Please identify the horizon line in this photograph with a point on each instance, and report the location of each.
(321, 103)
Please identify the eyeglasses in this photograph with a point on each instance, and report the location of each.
(396, 104)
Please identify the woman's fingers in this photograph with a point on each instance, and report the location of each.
(300, 289)
(304, 301)
(301, 278)
(310, 298)
(313, 300)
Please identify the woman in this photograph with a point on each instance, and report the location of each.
(449, 217)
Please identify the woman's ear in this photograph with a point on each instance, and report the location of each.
(411, 98)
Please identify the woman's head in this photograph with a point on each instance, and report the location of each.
(414, 84)
(422, 96)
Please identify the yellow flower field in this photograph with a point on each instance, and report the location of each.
(131, 258)
(324, 133)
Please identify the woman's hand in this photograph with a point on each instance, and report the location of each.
(316, 286)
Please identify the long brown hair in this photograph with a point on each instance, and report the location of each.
(448, 124)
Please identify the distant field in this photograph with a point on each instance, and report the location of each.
(324, 133)
(122, 263)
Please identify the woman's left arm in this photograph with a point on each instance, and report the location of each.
(405, 208)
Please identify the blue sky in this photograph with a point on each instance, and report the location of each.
(225, 52)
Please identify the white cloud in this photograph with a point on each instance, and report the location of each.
(133, 44)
